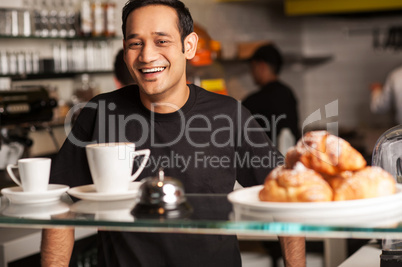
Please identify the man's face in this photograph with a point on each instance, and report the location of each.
(154, 53)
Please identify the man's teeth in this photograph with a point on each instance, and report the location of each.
(152, 70)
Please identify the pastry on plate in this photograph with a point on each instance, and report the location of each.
(366, 183)
(325, 153)
(295, 185)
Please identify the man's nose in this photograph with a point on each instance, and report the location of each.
(148, 53)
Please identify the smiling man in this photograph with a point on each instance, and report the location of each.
(156, 56)
(206, 140)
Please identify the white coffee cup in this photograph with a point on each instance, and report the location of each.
(111, 165)
(34, 174)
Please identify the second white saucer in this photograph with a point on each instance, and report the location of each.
(88, 192)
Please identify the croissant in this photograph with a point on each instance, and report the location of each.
(325, 153)
(295, 185)
(367, 183)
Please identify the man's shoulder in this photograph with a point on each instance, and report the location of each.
(126, 91)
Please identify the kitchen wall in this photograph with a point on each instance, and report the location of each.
(355, 65)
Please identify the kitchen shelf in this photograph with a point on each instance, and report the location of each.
(290, 60)
(249, 1)
(77, 38)
(52, 75)
(308, 61)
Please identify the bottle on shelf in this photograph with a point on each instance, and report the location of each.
(98, 18)
(35, 62)
(26, 19)
(28, 62)
(12, 63)
(110, 18)
(85, 18)
(4, 63)
(56, 57)
(71, 20)
(44, 19)
(21, 63)
(37, 19)
(62, 19)
(53, 19)
(14, 22)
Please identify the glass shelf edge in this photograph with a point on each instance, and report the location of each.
(217, 227)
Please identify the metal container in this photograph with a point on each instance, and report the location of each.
(161, 197)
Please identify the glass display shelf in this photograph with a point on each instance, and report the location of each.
(212, 214)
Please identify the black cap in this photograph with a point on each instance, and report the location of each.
(270, 54)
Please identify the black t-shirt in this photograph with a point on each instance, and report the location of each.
(276, 102)
(207, 144)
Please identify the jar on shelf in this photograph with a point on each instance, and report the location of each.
(84, 89)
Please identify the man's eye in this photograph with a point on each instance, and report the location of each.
(163, 42)
(135, 45)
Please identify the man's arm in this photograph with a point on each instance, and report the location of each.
(293, 250)
(57, 246)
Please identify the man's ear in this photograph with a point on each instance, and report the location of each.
(124, 49)
(190, 45)
(124, 45)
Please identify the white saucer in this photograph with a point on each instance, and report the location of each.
(17, 196)
(88, 192)
(37, 210)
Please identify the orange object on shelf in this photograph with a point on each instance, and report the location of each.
(203, 70)
(202, 58)
(207, 49)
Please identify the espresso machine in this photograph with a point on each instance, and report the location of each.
(387, 154)
(21, 109)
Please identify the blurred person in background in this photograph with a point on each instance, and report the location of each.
(122, 76)
(388, 97)
(274, 104)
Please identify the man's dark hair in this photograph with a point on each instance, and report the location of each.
(269, 54)
(185, 21)
(120, 69)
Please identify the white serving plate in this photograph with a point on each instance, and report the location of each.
(365, 212)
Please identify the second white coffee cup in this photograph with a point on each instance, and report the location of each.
(34, 174)
(111, 165)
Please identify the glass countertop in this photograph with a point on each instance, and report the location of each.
(211, 214)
